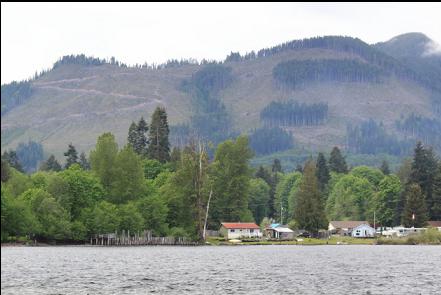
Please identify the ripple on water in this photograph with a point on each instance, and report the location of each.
(222, 270)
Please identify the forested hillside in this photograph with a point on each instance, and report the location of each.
(309, 94)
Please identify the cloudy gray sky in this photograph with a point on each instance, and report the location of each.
(34, 36)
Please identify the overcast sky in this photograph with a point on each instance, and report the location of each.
(34, 36)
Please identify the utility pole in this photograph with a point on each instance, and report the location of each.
(281, 213)
(206, 214)
(375, 228)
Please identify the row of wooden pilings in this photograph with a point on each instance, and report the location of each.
(137, 239)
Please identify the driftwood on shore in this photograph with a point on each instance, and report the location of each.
(138, 239)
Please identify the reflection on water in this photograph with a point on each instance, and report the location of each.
(222, 270)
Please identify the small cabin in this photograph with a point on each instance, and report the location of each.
(239, 230)
(363, 231)
(280, 232)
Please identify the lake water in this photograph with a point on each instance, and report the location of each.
(293, 269)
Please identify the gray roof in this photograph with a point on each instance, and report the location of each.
(347, 223)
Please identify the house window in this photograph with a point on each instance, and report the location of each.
(251, 230)
(231, 230)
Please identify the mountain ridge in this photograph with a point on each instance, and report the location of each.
(79, 99)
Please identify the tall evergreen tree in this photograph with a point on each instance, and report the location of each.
(6, 172)
(424, 169)
(142, 142)
(322, 172)
(436, 197)
(385, 168)
(337, 162)
(415, 210)
(84, 163)
(277, 166)
(51, 164)
(132, 138)
(309, 209)
(72, 156)
(137, 137)
(12, 159)
(159, 146)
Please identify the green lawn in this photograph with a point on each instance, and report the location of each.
(305, 241)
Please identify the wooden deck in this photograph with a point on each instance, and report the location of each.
(138, 239)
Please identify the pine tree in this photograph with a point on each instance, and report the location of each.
(322, 173)
(72, 156)
(436, 197)
(142, 141)
(5, 172)
(51, 164)
(277, 166)
(159, 146)
(385, 168)
(337, 162)
(309, 210)
(137, 138)
(423, 171)
(415, 210)
(84, 163)
(12, 159)
(133, 135)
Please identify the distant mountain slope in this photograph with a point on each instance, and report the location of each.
(80, 98)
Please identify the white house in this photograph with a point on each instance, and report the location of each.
(237, 230)
(363, 231)
(345, 227)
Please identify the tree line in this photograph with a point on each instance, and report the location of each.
(421, 128)
(268, 140)
(135, 190)
(298, 73)
(370, 137)
(14, 94)
(26, 157)
(292, 113)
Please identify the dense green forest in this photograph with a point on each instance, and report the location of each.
(298, 73)
(292, 113)
(140, 186)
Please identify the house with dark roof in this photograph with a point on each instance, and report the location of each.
(239, 230)
(344, 227)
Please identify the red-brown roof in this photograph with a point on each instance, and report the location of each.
(434, 223)
(239, 225)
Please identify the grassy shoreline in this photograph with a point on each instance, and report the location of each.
(430, 237)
